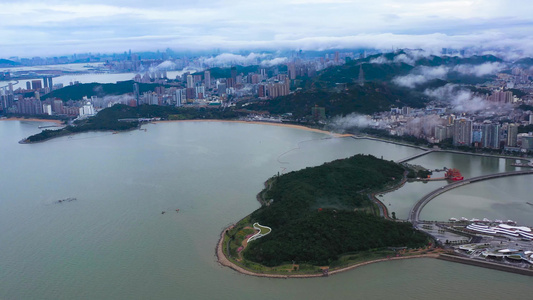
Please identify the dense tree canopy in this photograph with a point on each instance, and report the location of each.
(318, 214)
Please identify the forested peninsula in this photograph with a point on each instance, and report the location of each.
(322, 216)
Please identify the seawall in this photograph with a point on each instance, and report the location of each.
(485, 264)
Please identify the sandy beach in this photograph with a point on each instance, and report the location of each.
(223, 260)
(32, 120)
(263, 123)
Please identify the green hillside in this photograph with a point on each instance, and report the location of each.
(370, 98)
(318, 214)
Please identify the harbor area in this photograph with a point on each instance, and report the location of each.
(494, 244)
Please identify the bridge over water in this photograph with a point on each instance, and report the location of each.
(414, 156)
(414, 214)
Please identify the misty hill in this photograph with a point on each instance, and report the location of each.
(349, 72)
(435, 61)
(526, 61)
(77, 91)
(384, 67)
(316, 214)
(370, 98)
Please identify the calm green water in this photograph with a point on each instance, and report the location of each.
(114, 243)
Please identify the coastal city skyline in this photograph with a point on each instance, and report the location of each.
(62, 27)
(208, 149)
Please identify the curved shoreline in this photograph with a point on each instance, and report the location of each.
(302, 127)
(224, 261)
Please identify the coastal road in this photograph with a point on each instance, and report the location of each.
(414, 214)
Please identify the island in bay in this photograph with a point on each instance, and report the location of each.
(322, 218)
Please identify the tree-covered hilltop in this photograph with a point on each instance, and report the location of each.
(370, 98)
(318, 214)
(108, 119)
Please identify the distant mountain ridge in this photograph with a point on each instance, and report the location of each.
(8, 63)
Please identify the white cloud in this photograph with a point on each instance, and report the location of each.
(350, 121)
(421, 75)
(380, 60)
(274, 61)
(232, 59)
(489, 68)
(402, 58)
(463, 100)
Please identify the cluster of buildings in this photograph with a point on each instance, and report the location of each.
(28, 102)
(437, 125)
(197, 89)
(201, 88)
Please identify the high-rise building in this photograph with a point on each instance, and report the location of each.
(36, 84)
(261, 91)
(230, 82)
(190, 81)
(87, 110)
(440, 132)
(527, 143)
(221, 89)
(291, 68)
(197, 79)
(29, 106)
(490, 136)
(501, 97)
(190, 93)
(512, 133)
(477, 134)
(207, 79)
(180, 97)
(462, 132)
(28, 85)
(200, 92)
(47, 109)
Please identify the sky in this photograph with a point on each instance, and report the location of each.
(57, 27)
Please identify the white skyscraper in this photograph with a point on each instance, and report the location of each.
(190, 81)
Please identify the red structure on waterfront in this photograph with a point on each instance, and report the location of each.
(454, 175)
